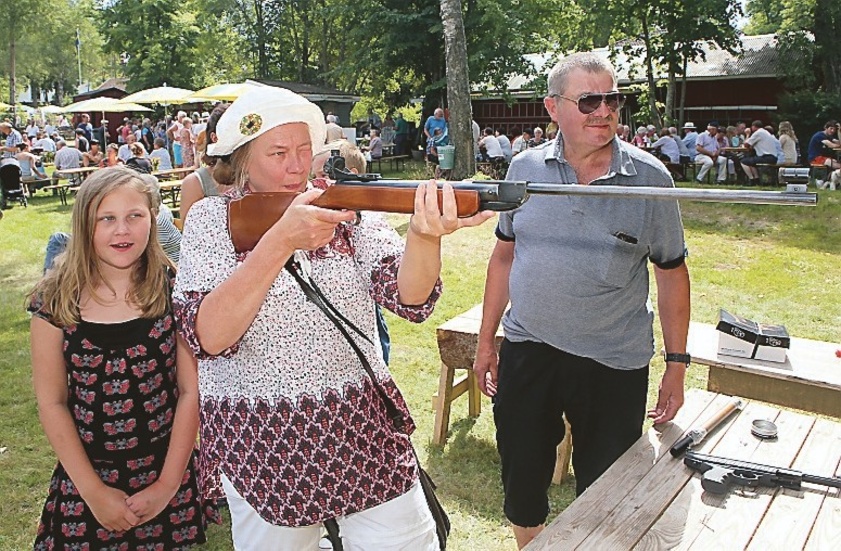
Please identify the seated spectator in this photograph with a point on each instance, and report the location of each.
(138, 160)
(683, 151)
(30, 168)
(160, 153)
(168, 235)
(490, 148)
(788, 141)
(505, 144)
(538, 137)
(334, 131)
(823, 146)
(124, 152)
(521, 142)
(45, 142)
(67, 157)
(639, 138)
(94, 156)
(433, 142)
(666, 148)
(111, 156)
(375, 145)
(763, 150)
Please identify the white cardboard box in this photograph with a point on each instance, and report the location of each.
(746, 338)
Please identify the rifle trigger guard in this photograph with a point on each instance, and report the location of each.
(358, 219)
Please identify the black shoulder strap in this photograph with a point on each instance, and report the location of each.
(315, 296)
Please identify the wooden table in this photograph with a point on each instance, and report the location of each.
(69, 173)
(165, 174)
(650, 500)
(809, 379)
(171, 192)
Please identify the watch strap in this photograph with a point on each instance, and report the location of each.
(679, 358)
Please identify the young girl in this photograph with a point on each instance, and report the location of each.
(116, 389)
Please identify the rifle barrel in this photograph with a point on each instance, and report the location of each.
(689, 194)
(703, 195)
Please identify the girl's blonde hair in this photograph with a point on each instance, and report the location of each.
(788, 129)
(77, 269)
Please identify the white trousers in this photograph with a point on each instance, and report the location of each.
(707, 165)
(402, 524)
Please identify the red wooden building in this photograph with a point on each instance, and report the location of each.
(723, 87)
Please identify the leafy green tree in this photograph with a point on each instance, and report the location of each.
(158, 37)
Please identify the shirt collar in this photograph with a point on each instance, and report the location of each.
(621, 162)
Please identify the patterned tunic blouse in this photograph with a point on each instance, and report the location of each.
(288, 414)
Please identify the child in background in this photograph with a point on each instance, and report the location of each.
(116, 388)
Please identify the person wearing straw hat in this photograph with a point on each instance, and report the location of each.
(293, 432)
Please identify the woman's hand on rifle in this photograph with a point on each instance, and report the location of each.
(430, 221)
(307, 227)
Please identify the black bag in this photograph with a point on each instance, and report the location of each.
(314, 294)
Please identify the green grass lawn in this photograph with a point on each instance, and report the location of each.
(776, 264)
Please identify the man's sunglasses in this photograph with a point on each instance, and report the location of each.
(590, 102)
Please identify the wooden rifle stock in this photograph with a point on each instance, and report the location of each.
(252, 215)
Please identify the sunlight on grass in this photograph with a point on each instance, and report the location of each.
(774, 264)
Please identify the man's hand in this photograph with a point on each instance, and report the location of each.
(485, 367)
(670, 396)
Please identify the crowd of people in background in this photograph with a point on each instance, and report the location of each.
(739, 148)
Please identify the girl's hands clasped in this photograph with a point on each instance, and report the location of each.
(428, 221)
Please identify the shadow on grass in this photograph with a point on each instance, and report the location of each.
(807, 228)
(467, 471)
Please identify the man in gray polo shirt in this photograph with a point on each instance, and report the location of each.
(579, 334)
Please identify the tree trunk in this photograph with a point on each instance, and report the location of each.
(458, 89)
(682, 117)
(649, 74)
(12, 79)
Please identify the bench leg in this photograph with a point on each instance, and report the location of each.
(564, 455)
(442, 409)
(474, 395)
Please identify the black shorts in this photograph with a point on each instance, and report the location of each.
(753, 160)
(538, 384)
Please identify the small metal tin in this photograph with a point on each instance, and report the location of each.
(764, 429)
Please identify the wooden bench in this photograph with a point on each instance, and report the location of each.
(61, 190)
(809, 379)
(396, 162)
(34, 185)
(767, 173)
(457, 339)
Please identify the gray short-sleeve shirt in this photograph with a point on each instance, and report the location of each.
(579, 280)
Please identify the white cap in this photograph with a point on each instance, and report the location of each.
(259, 110)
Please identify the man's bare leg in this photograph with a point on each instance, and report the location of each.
(524, 535)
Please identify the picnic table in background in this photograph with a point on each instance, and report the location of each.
(73, 177)
(173, 172)
(171, 192)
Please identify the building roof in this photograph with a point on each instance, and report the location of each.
(313, 92)
(757, 59)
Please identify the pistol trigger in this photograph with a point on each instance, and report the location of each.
(745, 478)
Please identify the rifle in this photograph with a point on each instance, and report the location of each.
(720, 473)
(252, 215)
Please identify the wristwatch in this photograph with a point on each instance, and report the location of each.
(679, 358)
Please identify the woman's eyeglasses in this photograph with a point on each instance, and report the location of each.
(590, 102)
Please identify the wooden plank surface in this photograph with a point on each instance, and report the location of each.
(669, 530)
(590, 509)
(650, 501)
(734, 516)
(789, 519)
(636, 512)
